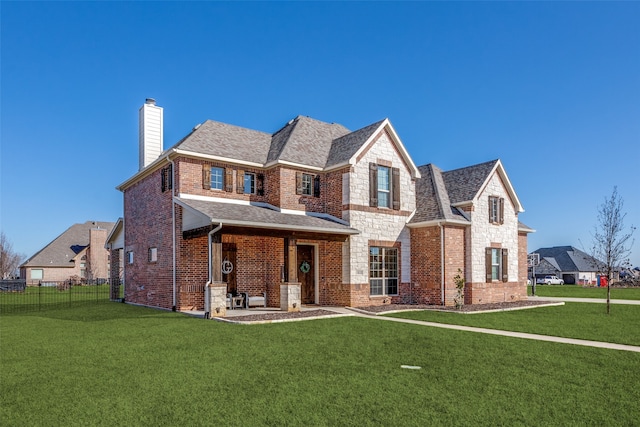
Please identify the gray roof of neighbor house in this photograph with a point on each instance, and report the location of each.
(568, 258)
(463, 184)
(61, 251)
(232, 214)
(432, 198)
(302, 140)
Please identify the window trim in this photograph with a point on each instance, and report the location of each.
(130, 257)
(384, 278)
(502, 255)
(381, 191)
(496, 210)
(153, 255)
(253, 183)
(221, 176)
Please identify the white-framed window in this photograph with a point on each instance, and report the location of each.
(249, 183)
(497, 265)
(383, 271)
(217, 178)
(130, 257)
(384, 186)
(496, 210)
(153, 254)
(307, 184)
(37, 274)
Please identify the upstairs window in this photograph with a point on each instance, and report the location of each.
(384, 186)
(249, 183)
(496, 210)
(166, 178)
(308, 184)
(217, 178)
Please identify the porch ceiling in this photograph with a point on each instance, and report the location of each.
(248, 219)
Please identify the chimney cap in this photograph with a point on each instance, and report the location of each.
(150, 101)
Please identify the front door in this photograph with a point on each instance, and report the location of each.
(229, 266)
(307, 274)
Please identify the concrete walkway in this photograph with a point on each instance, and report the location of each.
(594, 300)
(538, 337)
(346, 311)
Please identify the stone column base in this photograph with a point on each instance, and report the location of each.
(290, 297)
(215, 302)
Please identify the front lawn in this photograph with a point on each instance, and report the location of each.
(576, 291)
(115, 364)
(587, 321)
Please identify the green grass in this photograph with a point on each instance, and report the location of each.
(576, 291)
(587, 321)
(115, 364)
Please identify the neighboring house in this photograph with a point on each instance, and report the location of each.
(77, 254)
(312, 214)
(568, 263)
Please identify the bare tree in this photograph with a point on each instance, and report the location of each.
(611, 241)
(9, 260)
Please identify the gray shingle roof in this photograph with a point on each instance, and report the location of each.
(224, 140)
(310, 141)
(464, 183)
(346, 146)
(261, 217)
(432, 198)
(66, 246)
(303, 141)
(568, 258)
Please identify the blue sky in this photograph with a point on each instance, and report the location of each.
(551, 88)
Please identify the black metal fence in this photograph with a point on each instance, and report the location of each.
(18, 296)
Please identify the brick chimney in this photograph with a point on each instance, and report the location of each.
(150, 132)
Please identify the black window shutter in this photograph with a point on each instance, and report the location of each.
(488, 264)
(505, 265)
(163, 180)
(228, 180)
(206, 177)
(316, 186)
(260, 184)
(170, 177)
(240, 182)
(299, 188)
(373, 185)
(395, 188)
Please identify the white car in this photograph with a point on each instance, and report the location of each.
(550, 280)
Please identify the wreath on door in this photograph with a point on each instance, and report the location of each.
(305, 267)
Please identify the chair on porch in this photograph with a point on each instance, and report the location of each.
(235, 301)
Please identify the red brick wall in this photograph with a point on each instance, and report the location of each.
(522, 257)
(147, 213)
(425, 265)
(454, 260)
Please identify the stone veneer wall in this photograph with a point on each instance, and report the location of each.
(375, 224)
(483, 235)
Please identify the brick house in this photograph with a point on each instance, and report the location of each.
(78, 253)
(311, 214)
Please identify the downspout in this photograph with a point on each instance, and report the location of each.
(441, 262)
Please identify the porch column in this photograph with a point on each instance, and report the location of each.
(290, 290)
(216, 297)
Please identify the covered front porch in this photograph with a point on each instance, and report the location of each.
(244, 256)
